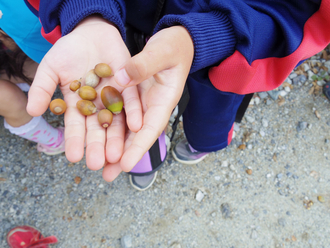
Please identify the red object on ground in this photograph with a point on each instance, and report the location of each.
(28, 237)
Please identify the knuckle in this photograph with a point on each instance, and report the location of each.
(140, 68)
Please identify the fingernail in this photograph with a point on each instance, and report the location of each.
(122, 77)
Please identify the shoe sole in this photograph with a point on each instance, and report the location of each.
(140, 189)
(188, 162)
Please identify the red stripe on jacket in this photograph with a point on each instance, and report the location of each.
(53, 36)
(235, 75)
(34, 4)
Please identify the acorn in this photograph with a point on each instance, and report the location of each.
(103, 70)
(91, 79)
(86, 107)
(57, 106)
(105, 118)
(112, 99)
(87, 93)
(75, 85)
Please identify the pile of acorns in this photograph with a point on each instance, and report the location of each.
(110, 96)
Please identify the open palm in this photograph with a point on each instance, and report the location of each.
(72, 56)
(160, 72)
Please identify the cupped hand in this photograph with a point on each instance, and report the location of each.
(93, 41)
(160, 72)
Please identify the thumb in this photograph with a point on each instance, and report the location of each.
(42, 90)
(157, 56)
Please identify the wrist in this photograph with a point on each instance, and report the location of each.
(96, 25)
(72, 13)
(212, 34)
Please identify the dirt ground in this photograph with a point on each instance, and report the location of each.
(269, 188)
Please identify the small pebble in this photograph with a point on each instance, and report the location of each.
(126, 241)
(293, 75)
(264, 123)
(257, 100)
(302, 125)
(268, 102)
(77, 180)
(249, 119)
(283, 93)
(224, 164)
(262, 133)
(254, 234)
(281, 222)
(274, 94)
(262, 95)
(279, 176)
(225, 210)
(242, 146)
(199, 196)
(321, 199)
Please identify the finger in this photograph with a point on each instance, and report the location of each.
(133, 108)
(146, 63)
(115, 138)
(74, 129)
(155, 121)
(42, 90)
(111, 172)
(95, 143)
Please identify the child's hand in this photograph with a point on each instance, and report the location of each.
(91, 42)
(160, 71)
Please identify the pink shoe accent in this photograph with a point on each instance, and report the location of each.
(49, 150)
(28, 237)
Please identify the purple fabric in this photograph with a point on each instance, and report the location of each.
(144, 165)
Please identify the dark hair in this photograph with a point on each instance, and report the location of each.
(12, 62)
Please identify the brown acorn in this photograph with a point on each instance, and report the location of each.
(112, 99)
(86, 107)
(105, 118)
(75, 85)
(87, 93)
(91, 79)
(57, 106)
(103, 70)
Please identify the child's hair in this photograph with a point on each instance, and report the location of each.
(12, 62)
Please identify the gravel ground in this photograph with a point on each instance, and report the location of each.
(269, 188)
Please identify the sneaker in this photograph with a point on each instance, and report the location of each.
(185, 154)
(142, 183)
(145, 166)
(326, 90)
(52, 150)
(28, 237)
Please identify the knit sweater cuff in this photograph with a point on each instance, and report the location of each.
(212, 34)
(72, 12)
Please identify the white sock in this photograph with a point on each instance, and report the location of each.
(24, 86)
(38, 130)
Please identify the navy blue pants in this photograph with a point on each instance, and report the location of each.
(210, 114)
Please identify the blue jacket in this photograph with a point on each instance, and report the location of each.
(246, 45)
(24, 28)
